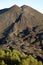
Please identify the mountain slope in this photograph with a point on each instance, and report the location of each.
(22, 28)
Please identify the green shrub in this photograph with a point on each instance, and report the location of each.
(2, 62)
(2, 53)
(14, 57)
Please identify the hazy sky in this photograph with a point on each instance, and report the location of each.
(36, 4)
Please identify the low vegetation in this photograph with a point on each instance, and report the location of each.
(14, 57)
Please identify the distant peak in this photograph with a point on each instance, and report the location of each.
(15, 6)
(24, 6)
